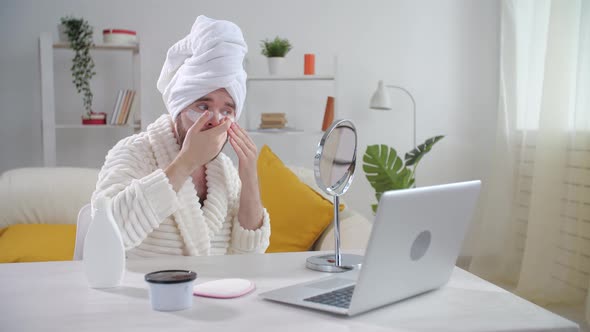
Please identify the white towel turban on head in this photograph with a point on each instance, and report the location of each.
(210, 57)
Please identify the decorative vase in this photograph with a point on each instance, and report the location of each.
(62, 34)
(328, 114)
(275, 65)
(104, 253)
(309, 64)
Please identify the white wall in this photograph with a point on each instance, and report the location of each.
(444, 52)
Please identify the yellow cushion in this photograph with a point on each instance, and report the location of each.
(37, 243)
(298, 214)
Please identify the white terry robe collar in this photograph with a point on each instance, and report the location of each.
(197, 226)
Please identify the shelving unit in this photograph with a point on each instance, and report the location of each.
(108, 47)
(286, 131)
(46, 59)
(68, 126)
(293, 78)
(308, 79)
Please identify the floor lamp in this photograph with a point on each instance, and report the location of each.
(381, 101)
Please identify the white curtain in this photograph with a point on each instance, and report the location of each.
(534, 232)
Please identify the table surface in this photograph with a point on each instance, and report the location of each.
(55, 296)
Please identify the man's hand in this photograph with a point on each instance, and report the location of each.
(199, 147)
(251, 212)
(247, 153)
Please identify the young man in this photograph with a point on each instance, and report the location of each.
(173, 191)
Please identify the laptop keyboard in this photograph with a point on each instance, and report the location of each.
(338, 298)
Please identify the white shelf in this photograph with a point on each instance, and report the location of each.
(285, 131)
(108, 47)
(326, 80)
(47, 50)
(292, 78)
(81, 126)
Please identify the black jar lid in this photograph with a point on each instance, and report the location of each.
(170, 276)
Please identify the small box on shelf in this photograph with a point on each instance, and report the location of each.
(93, 122)
(119, 37)
(95, 119)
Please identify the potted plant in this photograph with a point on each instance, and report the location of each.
(79, 35)
(386, 171)
(275, 50)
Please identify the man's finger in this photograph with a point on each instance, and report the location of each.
(243, 141)
(223, 127)
(200, 123)
(241, 133)
(238, 139)
(237, 148)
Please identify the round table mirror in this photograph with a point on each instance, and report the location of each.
(334, 166)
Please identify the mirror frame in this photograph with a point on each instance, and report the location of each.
(318, 155)
(337, 262)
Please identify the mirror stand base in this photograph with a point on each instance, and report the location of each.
(326, 263)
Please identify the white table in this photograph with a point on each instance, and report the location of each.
(55, 297)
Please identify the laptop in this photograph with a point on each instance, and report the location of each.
(413, 247)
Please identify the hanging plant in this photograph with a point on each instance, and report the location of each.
(79, 34)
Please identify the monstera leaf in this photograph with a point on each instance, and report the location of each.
(385, 170)
(414, 156)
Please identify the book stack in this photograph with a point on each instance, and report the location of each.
(124, 106)
(273, 120)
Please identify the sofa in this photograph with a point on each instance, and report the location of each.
(55, 196)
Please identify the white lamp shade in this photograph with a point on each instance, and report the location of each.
(380, 99)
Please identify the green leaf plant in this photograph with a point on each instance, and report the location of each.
(275, 48)
(80, 38)
(386, 170)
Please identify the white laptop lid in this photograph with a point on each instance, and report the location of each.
(415, 242)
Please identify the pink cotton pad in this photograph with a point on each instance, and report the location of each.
(224, 288)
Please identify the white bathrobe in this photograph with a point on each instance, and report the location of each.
(155, 220)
